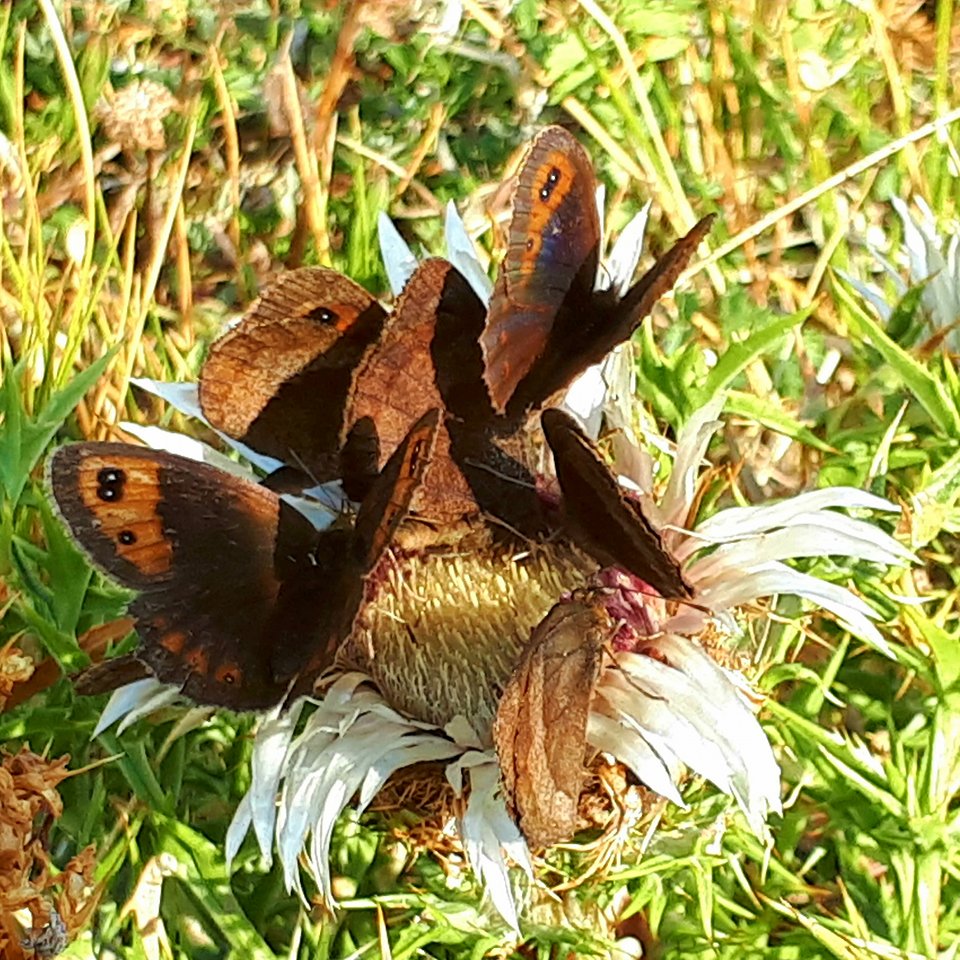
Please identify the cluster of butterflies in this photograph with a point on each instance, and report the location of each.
(240, 600)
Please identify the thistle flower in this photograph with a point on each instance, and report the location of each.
(662, 704)
(931, 258)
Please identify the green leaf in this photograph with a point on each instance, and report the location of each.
(928, 390)
(943, 646)
(209, 885)
(23, 440)
(738, 356)
(138, 771)
(68, 570)
(903, 326)
(771, 416)
(934, 502)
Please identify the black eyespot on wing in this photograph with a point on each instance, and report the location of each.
(553, 178)
(110, 484)
(325, 316)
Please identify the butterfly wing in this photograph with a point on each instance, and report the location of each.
(385, 507)
(609, 524)
(621, 317)
(218, 562)
(397, 380)
(279, 380)
(429, 356)
(540, 730)
(109, 674)
(388, 501)
(553, 248)
(590, 329)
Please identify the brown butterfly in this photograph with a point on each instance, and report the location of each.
(429, 355)
(237, 593)
(278, 381)
(318, 375)
(546, 322)
(540, 730)
(603, 518)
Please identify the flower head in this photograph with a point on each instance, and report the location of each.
(931, 258)
(661, 705)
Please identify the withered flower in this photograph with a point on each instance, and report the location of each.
(133, 115)
(39, 911)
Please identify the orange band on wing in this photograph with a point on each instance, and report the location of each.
(543, 209)
(124, 496)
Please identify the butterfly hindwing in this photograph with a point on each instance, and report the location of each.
(540, 731)
(388, 501)
(278, 381)
(384, 508)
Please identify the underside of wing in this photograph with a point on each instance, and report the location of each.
(608, 523)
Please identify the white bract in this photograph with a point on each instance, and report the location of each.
(931, 258)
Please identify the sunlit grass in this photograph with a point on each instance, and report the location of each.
(121, 257)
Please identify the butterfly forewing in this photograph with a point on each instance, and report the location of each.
(606, 521)
(429, 356)
(552, 249)
(640, 299)
(214, 558)
(279, 380)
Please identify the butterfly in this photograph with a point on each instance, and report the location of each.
(540, 731)
(546, 322)
(279, 380)
(428, 354)
(318, 375)
(238, 595)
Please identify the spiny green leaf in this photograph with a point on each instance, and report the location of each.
(774, 418)
(735, 359)
(23, 439)
(921, 383)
